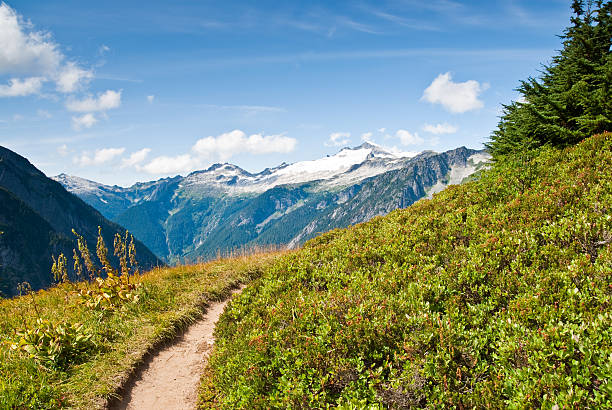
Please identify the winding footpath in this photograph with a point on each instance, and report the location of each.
(171, 378)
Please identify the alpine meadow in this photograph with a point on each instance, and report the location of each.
(390, 273)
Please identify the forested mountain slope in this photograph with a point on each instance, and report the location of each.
(225, 207)
(37, 216)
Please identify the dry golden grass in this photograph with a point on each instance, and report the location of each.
(170, 299)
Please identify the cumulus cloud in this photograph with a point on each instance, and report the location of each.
(135, 158)
(72, 78)
(26, 52)
(150, 98)
(338, 139)
(220, 147)
(22, 51)
(382, 130)
(455, 97)
(408, 138)
(171, 165)
(100, 156)
(235, 142)
(440, 128)
(106, 101)
(20, 88)
(83, 121)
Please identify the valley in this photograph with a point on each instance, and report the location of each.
(223, 208)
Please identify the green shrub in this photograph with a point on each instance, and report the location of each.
(495, 293)
(56, 345)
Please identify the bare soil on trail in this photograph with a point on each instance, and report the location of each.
(170, 378)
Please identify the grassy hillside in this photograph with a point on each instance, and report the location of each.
(48, 360)
(496, 294)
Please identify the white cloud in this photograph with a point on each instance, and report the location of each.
(150, 98)
(20, 88)
(108, 100)
(235, 142)
(101, 156)
(366, 136)
(382, 130)
(103, 49)
(135, 158)
(25, 52)
(407, 138)
(44, 114)
(72, 78)
(338, 139)
(62, 150)
(440, 128)
(84, 121)
(171, 165)
(222, 147)
(455, 97)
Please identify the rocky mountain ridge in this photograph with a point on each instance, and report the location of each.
(225, 207)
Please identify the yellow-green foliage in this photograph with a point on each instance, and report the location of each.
(494, 294)
(57, 351)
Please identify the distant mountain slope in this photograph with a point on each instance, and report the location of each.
(37, 216)
(225, 207)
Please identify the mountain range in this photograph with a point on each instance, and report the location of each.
(222, 208)
(37, 216)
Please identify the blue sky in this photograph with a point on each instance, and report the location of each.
(120, 92)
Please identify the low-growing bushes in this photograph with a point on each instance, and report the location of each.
(75, 344)
(493, 294)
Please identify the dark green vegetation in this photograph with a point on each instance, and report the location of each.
(496, 293)
(73, 345)
(37, 216)
(192, 218)
(573, 98)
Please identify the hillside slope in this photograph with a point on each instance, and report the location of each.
(37, 216)
(225, 207)
(495, 293)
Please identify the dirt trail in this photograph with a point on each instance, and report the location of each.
(171, 378)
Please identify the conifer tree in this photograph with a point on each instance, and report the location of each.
(572, 99)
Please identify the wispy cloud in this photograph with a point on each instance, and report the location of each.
(414, 24)
(247, 108)
(357, 26)
(111, 77)
(493, 54)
